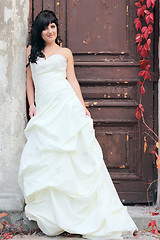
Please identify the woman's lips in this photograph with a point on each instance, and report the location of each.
(51, 36)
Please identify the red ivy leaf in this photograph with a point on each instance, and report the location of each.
(143, 63)
(154, 213)
(138, 4)
(155, 231)
(143, 52)
(146, 33)
(142, 90)
(144, 29)
(136, 20)
(142, 73)
(138, 25)
(152, 223)
(147, 19)
(139, 48)
(141, 107)
(138, 113)
(149, 41)
(153, 2)
(147, 12)
(148, 61)
(144, 7)
(150, 29)
(151, 18)
(146, 47)
(148, 3)
(140, 10)
(140, 83)
(147, 75)
(138, 38)
(147, 67)
(8, 236)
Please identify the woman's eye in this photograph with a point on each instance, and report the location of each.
(52, 26)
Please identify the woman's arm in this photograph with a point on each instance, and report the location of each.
(30, 86)
(71, 77)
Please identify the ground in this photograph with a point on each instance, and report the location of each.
(140, 236)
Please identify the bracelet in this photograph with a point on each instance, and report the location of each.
(31, 107)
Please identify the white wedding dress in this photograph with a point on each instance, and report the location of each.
(65, 182)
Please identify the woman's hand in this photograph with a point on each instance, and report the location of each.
(32, 111)
(87, 112)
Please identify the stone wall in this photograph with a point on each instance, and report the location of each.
(13, 37)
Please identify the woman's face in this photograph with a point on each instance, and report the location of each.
(49, 34)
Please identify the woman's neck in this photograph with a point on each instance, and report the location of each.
(50, 45)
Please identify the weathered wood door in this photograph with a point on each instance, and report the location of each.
(101, 35)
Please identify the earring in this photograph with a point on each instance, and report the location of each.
(59, 41)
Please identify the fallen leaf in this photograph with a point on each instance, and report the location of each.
(156, 208)
(3, 214)
(152, 223)
(157, 144)
(2, 226)
(155, 231)
(145, 146)
(154, 213)
(8, 236)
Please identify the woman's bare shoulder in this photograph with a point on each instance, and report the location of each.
(66, 52)
(28, 50)
(65, 49)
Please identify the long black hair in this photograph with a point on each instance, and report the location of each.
(43, 19)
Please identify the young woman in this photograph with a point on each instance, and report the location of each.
(65, 182)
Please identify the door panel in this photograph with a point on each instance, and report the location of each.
(101, 35)
(91, 28)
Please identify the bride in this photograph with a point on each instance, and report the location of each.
(62, 174)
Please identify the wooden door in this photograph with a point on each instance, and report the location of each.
(101, 35)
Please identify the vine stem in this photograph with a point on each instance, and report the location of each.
(149, 127)
(147, 134)
(147, 193)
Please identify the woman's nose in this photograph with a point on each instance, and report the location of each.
(49, 30)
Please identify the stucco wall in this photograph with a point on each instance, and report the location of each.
(13, 28)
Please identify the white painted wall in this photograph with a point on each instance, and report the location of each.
(13, 29)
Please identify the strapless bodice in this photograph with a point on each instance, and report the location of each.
(49, 77)
(54, 65)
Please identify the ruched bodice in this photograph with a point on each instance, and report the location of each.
(64, 180)
(50, 67)
(49, 77)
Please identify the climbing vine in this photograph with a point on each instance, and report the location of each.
(144, 26)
